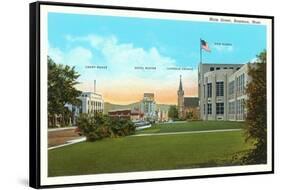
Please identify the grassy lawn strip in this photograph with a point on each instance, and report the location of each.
(192, 126)
(146, 153)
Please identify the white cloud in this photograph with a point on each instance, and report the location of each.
(126, 54)
(77, 56)
(120, 58)
(223, 48)
(56, 54)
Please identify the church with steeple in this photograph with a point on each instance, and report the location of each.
(180, 100)
(187, 106)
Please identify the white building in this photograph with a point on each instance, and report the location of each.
(148, 106)
(221, 90)
(91, 102)
(162, 115)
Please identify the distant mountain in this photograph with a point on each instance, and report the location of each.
(136, 105)
(109, 106)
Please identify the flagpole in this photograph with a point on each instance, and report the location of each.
(200, 51)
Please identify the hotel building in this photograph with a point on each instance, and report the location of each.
(148, 106)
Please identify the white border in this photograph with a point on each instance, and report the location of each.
(45, 180)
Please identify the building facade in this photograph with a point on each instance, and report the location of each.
(91, 102)
(162, 115)
(148, 107)
(134, 115)
(221, 90)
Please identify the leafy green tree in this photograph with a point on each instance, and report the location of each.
(61, 90)
(256, 128)
(173, 112)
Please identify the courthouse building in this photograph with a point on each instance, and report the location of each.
(221, 91)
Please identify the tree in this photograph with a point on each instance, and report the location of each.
(256, 121)
(173, 112)
(61, 90)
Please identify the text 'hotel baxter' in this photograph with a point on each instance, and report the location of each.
(221, 91)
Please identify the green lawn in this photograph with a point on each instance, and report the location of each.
(141, 153)
(192, 126)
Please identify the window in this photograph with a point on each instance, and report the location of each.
(204, 109)
(231, 88)
(209, 107)
(212, 68)
(240, 83)
(230, 67)
(225, 68)
(218, 68)
(204, 91)
(237, 84)
(240, 106)
(219, 88)
(237, 68)
(220, 108)
(231, 107)
(209, 90)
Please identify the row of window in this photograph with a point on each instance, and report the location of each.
(94, 103)
(219, 89)
(240, 106)
(95, 111)
(218, 68)
(240, 83)
(219, 108)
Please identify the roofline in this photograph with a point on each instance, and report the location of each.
(223, 63)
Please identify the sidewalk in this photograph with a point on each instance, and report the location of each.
(61, 129)
(185, 132)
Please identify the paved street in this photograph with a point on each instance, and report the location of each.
(59, 137)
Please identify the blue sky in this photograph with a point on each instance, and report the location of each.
(121, 43)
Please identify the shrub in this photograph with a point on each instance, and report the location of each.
(99, 126)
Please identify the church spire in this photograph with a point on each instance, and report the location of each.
(180, 87)
(180, 100)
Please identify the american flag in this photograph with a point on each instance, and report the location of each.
(205, 46)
